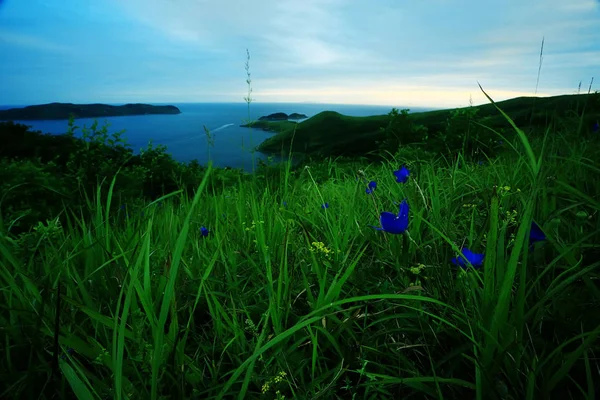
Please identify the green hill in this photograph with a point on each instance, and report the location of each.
(326, 130)
(330, 133)
(270, 126)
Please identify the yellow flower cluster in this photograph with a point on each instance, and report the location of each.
(273, 381)
(417, 270)
(320, 248)
(252, 226)
(511, 217)
(503, 190)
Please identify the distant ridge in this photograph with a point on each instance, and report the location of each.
(331, 134)
(53, 111)
(282, 117)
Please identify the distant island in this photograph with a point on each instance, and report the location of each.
(65, 110)
(282, 117)
(275, 122)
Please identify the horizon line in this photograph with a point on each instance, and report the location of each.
(278, 102)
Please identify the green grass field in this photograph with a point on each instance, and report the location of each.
(257, 290)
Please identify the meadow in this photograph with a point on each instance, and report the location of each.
(425, 272)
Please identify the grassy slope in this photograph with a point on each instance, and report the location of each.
(328, 132)
(316, 297)
(313, 302)
(325, 130)
(274, 126)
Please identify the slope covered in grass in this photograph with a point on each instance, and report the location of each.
(332, 134)
(256, 289)
(266, 125)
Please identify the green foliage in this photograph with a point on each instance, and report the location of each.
(111, 290)
(42, 174)
(401, 130)
(467, 132)
(31, 191)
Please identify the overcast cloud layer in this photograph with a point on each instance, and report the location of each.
(428, 53)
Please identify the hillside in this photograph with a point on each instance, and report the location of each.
(330, 134)
(65, 110)
(270, 126)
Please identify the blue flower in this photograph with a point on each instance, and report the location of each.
(596, 127)
(392, 223)
(402, 175)
(326, 205)
(475, 259)
(372, 186)
(204, 231)
(70, 351)
(536, 234)
(124, 208)
(285, 203)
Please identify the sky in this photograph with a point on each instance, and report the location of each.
(419, 53)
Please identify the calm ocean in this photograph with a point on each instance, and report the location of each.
(184, 136)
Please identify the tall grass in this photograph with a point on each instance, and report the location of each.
(299, 301)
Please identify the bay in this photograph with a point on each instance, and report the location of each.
(184, 134)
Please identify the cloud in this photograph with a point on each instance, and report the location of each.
(388, 50)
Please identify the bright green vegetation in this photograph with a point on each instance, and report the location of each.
(118, 293)
(330, 134)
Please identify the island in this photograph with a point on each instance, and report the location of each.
(276, 122)
(282, 117)
(54, 111)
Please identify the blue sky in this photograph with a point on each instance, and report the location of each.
(428, 53)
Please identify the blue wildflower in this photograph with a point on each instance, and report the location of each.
(204, 231)
(324, 206)
(70, 351)
(596, 127)
(392, 223)
(285, 203)
(402, 175)
(371, 187)
(475, 259)
(124, 208)
(536, 234)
